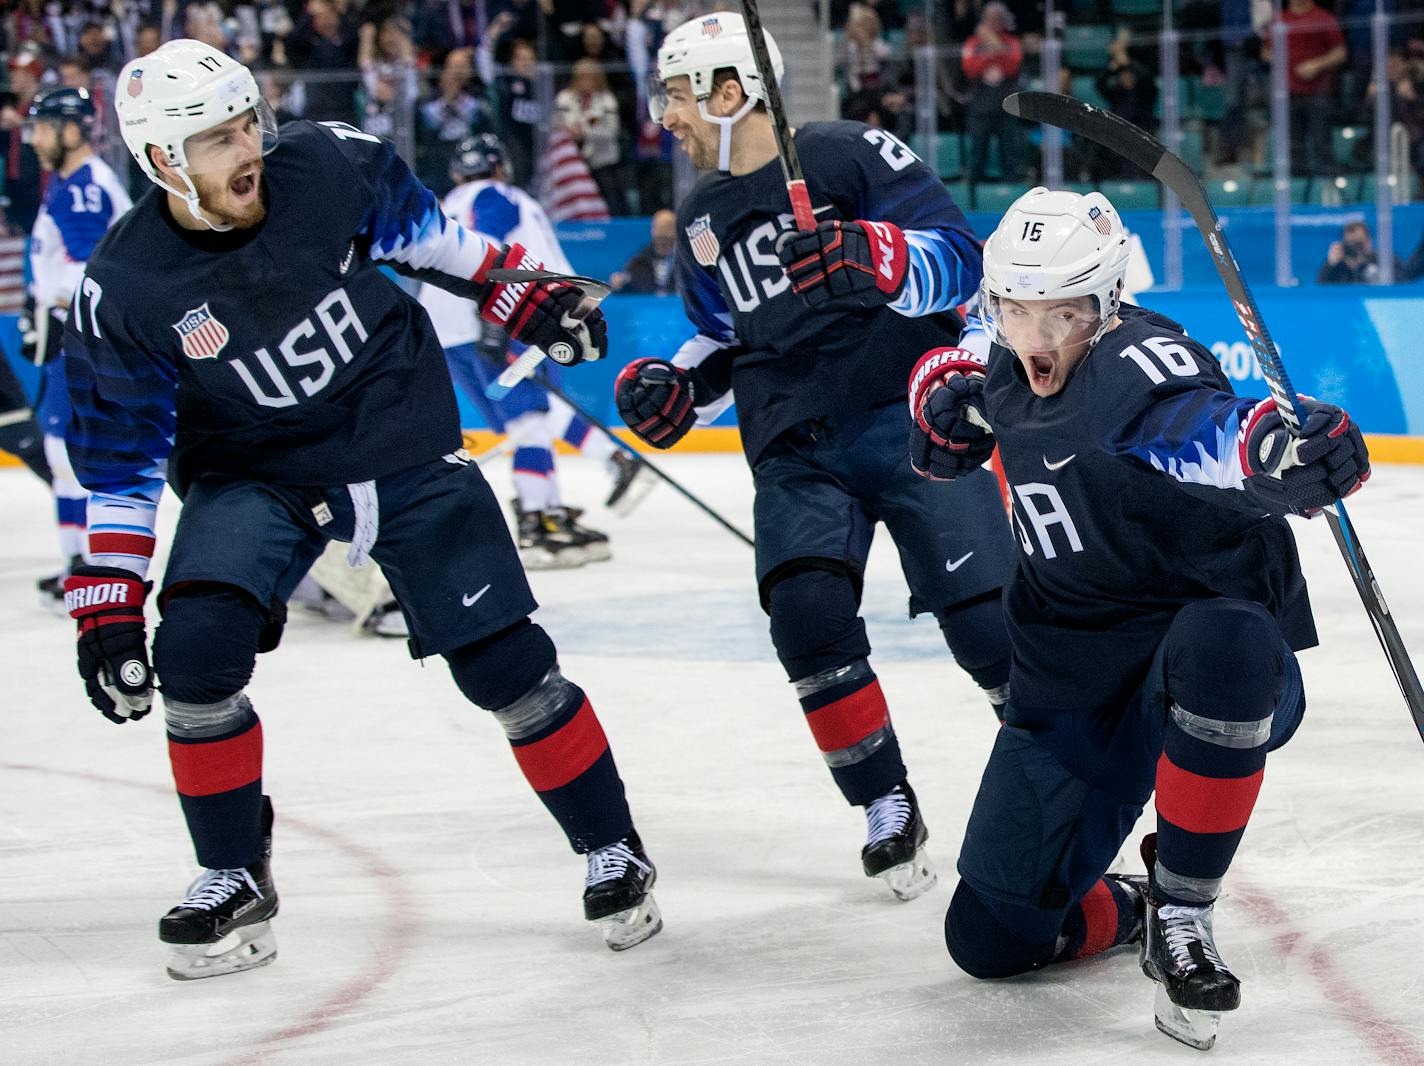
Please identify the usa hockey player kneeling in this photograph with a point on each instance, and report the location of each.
(1155, 614)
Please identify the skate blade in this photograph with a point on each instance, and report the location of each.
(1195, 1028)
(245, 948)
(637, 491)
(539, 559)
(597, 553)
(630, 928)
(911, 880)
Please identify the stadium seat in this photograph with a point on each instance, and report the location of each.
(950, 161)
(1131, 195)
(1347, 147)
(995, 197)
(1208, 101)
(1085, 88)
(1131, 8)
(1086, 47)
(1229, 192)
(1263, 191)
(962, 194)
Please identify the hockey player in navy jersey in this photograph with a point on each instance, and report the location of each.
(82, 200)
(234, 335)
(1155, 615)
(807, 330)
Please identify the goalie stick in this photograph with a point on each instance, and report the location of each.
(1146, 152)
(521, 368)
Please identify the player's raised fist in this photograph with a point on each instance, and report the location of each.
(1325, 463)
(949, 432)
(107, 602)
(656, 400)
(857, 264)
(553, 315)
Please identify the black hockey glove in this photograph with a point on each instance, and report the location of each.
(950, 434)
(657, 400)
(1327, 462)
(107, 602)
(29, 327)
(552, 315)
(858, 264)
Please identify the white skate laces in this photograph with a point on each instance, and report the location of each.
(886, 817)
(610, 863)
(1184, 926)
(214, 887)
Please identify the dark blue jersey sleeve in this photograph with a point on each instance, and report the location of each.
(121, 430)
(946, 261)
(1166, 402)
(403, 224)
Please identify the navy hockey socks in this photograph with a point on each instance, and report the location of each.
(1104, 918)
(216, 754)
(850, 722)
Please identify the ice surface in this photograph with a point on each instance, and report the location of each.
(430, 911)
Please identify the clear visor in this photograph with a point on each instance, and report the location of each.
(27, 128)
(1041, 326)
(234, 144)
(656, 92)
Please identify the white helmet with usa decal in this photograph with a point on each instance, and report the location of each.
(177, 91)
(697, 50)
(1057, 245)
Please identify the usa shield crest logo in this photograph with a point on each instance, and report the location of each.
(1100, 220)
(705, 247)
(711, 27)
(203, 336)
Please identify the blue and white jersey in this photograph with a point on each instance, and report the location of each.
(505, 215)
(788, 362)
(77, 211)
(1129, 501)
(279, 353)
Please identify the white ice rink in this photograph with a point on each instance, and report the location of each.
(430, 908)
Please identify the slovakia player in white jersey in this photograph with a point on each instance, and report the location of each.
(550, 535)
(81, 202)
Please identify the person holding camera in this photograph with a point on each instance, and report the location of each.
(1352, 260)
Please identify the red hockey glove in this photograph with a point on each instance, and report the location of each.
(656, 400)
(551, 315)
(950, 435)
(107, 602)
(1327, 462)
(860, 264)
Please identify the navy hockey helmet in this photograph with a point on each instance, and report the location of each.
(64, 105)
(478, 157)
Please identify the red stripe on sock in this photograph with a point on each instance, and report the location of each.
(220, 766)
(120, 544)
(559, 758)
(1099, 920)
(850, 719)
(1205, 804)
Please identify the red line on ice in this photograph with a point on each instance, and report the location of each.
(390, 953)
(1389, 1041)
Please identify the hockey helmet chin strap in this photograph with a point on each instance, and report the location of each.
(191, 199)
(724, 132)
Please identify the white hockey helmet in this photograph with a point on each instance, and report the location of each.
(1055, 244)
(697, 50)
(181, 89)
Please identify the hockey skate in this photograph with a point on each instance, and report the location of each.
(632, 481)
(895, 844)
(618, 893)
(51, 589)
(542, 544)
(387, 620)
(1194, 987)
(224, 923)
(591, 542)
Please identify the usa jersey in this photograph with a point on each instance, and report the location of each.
(506, 215)
(787, 362)
(279, 353)
(77, 211)
(1130, 502)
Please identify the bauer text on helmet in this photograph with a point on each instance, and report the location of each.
(682, 89)
(1053, 276)
(195, 122)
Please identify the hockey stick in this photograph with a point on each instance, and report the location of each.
(41, 333)
(594, 293)
(1146, 152)
(584, 413)
(785, 146)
